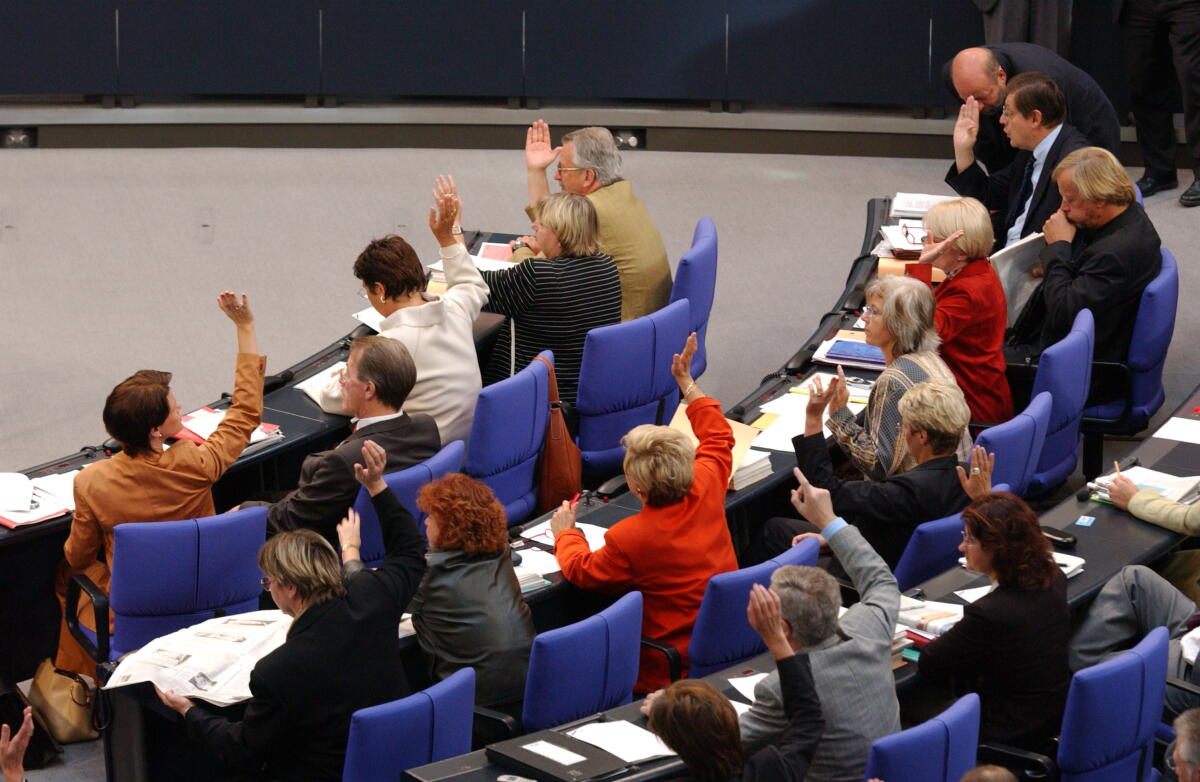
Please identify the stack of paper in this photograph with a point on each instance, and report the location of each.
(24, 501)
(541, 533)
(784, 417)
(1069, 564)
(916, 204)
(903, 240)
(743, 436)
(631, 743)
(931, 618)
(1169, 486)
(529, 579)
(755, 466)
(848, 348)
(200, 425)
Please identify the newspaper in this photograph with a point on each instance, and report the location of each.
(1012, 265)
(210, 661)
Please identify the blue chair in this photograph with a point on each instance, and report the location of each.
(625, 380)
(933, 548)
(1065, 370)
(585, 667)
(803, 553)
(1018, 443)
(405, 484)
(425, 727)
(169, 575)
(1152, 331)
(507, 435)
(939, 750)
(696, 281)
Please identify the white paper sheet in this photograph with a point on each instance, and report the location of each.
(58, 488)
(790, 409)
(482, 264)
(314, 385)
(629, 742)
(16, 491)
(745, 684)
(971, 595)
(739, 707)
(370, 317)
(1184, 430)
(541, 533)
(541, 562)
(1012, 265)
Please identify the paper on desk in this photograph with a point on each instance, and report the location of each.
(482, 264)
(971, 595)
(743, 436)
(1170, 486)
(57, 489)
(541, 533)
(790, 409)
(314, 386)
(629, 742)
(541, 562)
(739, 707)
(745, 684)
(1184, 430)
(16, 491)
(369, 317)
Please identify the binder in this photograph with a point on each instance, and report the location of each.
(550, 756)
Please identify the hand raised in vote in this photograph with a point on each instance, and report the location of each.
(932, 251)
(539, 153)
(237, 311)
(563, 519)
(839, 392)
(349, 534)
(765, 615)
(13, 746)
(966, 127)
(812, 502)
(370, 472)
(979, 483)
(1058, 228)
(681, 364)
(445, 216)
(818, 397)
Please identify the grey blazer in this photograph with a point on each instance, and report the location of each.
(852, 671)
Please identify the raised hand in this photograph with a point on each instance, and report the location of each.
(445, 217)
(370, 472)
(539, 153)
(681, 364)
(812, 502)
(237, 310)
(839, 392)
(979, 483)
(966, 128)
(818, 397)
(13, 746)
(765, 615)
(933, 251)
(349, 535)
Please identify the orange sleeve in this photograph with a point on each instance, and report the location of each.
(715, 451)
(605, 570)
(86, 538)
(244, 415)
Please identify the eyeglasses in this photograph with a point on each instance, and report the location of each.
(869, 312)
(969, 539)
(565, 169)
(363, 292)
(1169, 762)
(265, 583)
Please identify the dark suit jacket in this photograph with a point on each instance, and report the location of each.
(1104, 270)
(339, 656)
(886, 511)
(999, 191)
(1088, 108)
(787, 759)
(1012, 646)
(327, 486)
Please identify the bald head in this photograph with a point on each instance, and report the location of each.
(977, 73)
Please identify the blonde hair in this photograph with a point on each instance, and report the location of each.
(966, 215)
(939, 410)
(659, 459)
(303, 559)
(1097, 176)
(573, 220)
(907, 312)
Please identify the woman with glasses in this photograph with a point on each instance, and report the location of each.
(899, 321)
(970, 313)
(437, 330)
(553, 302)
(1011, 644)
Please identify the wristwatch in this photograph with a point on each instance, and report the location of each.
(517, 245)
(456, 230)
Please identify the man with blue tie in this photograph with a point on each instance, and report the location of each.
(1023, 194)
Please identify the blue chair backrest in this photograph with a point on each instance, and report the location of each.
(169, 575)
(722, 636)
(1152, 332)
(425, 727)
(585, 667)
(803, 553)
(405, 484)
(939, 750)
(507, 436)
(696, 281)
(1018, 443)
(1065, 370)
(1112, 712)
(1137, 196)
(933, 548)
(625, 380)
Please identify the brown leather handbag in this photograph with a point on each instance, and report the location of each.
(560, 473)
(64, 701)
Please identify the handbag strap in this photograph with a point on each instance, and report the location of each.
(554, 400)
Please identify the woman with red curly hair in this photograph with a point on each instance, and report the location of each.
(469, 610)
(1012, 643)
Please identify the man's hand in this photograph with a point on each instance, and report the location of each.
(563, 519)
(446, 216)
(932, 252)
(12, 747)
(766, 617)
(1121, 491)
(813, 503)
(370, 472)
(979, 484)
(806, 535)
(966, 130)
(648, 702)
(539, 154)
(681, 366)
(1058, 228)
(349, 537)
(175, 702)
(238, 311)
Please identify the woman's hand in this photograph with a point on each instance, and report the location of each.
(766, 617)
(563, 519)
(648, 702)
(681, 367)
(933, 251)
(530, 241)
(370, 472)
(818, 398)
(444, 218)
(979, 484)
(839, 393)
(349, 537)
(237, 311)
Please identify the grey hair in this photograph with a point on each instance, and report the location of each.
(989, 774)
(907, 313)
(1187, 736)
(596, 149)
(809, 600)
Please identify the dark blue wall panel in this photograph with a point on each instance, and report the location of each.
(57, 47)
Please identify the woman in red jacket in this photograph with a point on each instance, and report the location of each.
(971, 313)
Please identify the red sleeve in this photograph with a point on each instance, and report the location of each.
(716, 437)
(606, 570)
(953, 313)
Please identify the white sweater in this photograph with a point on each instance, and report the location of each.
(439, 336)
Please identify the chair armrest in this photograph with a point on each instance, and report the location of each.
(674, 662)
(505, 722)
(1018, 761)
(99, 650)
(1183, 685)
(612, 487)
(1114, 374)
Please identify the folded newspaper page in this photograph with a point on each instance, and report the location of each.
(210, 661)
(1012, 265)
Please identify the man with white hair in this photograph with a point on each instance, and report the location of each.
(1184, 756)
(589, 164)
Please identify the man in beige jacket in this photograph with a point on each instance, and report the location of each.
(589, 164)
(1183, 567)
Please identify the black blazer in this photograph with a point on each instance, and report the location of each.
(999, 191)
(886, 511)
(339, 656)
(788, 758)
(1088, 108)
(1011, 647)
(327, 486)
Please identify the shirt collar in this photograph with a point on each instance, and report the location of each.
(359, 423)
(1043, 147)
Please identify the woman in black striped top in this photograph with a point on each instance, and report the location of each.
(553, 302)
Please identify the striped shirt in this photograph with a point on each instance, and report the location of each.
(554, 302)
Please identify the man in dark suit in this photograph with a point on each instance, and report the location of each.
(1023, 194)
(1160, 41)
(1044, 22)
(983, 73)
(340, 654)
(933, 418)
(378, 377)
(1101, 252)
